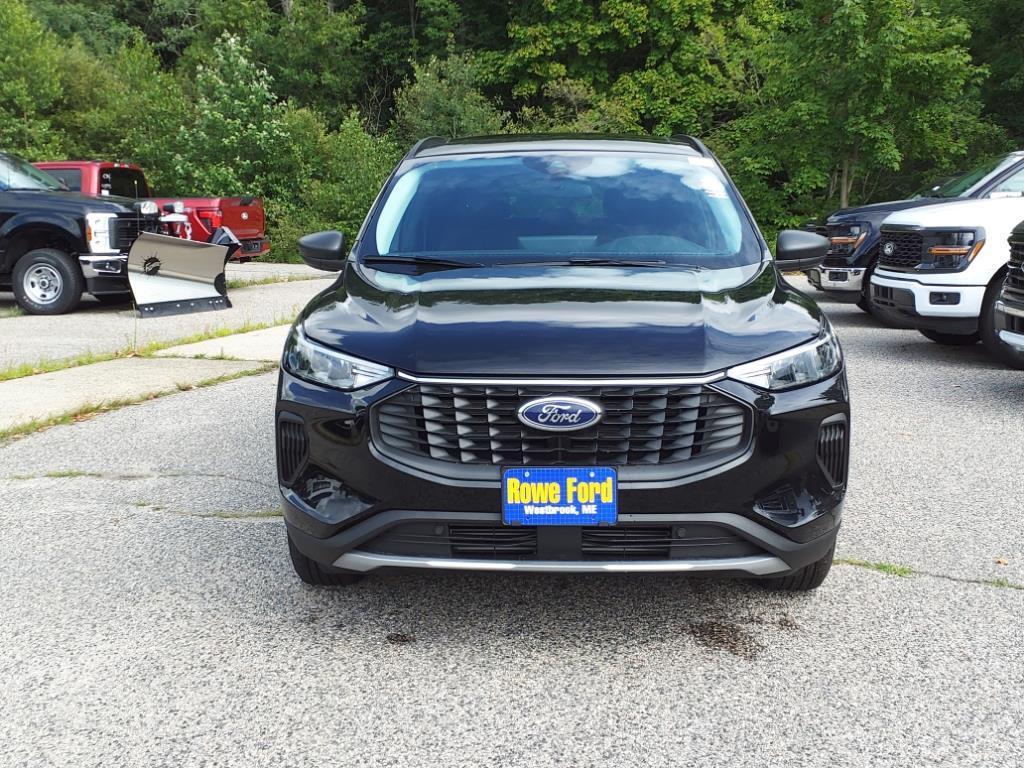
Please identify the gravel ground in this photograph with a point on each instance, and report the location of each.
(150, 617)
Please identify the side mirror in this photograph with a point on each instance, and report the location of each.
(323, 250)
(796, 249)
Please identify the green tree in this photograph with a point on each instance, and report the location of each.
(443, 99)
(848, 90)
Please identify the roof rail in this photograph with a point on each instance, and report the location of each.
(426, 143)
(690, 141)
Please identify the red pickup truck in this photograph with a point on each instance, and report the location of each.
(243, 215)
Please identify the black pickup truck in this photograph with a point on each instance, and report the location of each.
(855, 232)
(56, 245)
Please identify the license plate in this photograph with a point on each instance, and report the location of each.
(838, 277)
(559, 496)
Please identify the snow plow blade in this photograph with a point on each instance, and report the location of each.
(172, 276)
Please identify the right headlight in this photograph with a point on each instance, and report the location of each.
(323, 365)
(795, 367)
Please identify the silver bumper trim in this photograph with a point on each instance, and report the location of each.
(1002, 306)
(755, 565)
(854, 281)
(1013, 339)
(96, 264)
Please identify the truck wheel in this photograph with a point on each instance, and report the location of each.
(311, 572)
(996, 348)
(807, 578)
(47, 282)
(951, 339)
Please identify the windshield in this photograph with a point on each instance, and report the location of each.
(963, 185)
(554, 206)
(15, 173)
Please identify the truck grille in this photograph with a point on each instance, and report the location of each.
(1013, 288)
(124, 232)
(907, 251)
(642, 425)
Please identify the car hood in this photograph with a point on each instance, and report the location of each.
(1001, 213)
(566, 321)
(876, 212)
(74, 203)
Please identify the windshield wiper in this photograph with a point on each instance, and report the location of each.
(601, 262)
(425, 262)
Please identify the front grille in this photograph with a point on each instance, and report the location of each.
(1013, 287)
(124, 231)
(481, 541)
(832, 451)
(907, 249)
(642, 425)
(292, 448)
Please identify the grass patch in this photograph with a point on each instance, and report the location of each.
(146, 350)
(71, 473)
(889, 569)
(1003, 584)
(271, 280)
(89, 410)
(12, 312)
(259, 514)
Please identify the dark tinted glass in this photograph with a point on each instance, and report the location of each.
(612, 205)
(124, 182)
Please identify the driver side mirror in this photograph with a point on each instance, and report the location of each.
(323, 250)
(796, 249)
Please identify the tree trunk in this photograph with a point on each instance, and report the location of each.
(845, 182)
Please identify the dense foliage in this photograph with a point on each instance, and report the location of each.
(811, 104)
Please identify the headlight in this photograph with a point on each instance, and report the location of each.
(796, 367)
(847, 239)
(954, 250)
(313, 362)
(97, 232)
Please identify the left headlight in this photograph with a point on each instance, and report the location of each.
(97, 232)
(322, 365)
(795, 367)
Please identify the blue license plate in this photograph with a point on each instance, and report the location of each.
(559, 496)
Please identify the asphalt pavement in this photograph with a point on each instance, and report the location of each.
(150, 616)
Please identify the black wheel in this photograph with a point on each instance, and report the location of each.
(313, 573)
(47, 282)
(807, 578)
(951, 339)
(113, 299)
(996, 348)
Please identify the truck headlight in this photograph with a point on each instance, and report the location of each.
(954, 250)
(795, 367)
(322, 365)
(97, 232)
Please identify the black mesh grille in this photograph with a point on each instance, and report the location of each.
(124, 232)
(907, 249)
(292, 448)
(647, 425)
(832, 451)
(1013, 288)
(489, 541)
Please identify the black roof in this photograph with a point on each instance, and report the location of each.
(436, 146)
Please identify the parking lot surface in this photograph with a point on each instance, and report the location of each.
(150, 616)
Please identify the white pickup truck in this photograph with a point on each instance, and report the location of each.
(941, 267)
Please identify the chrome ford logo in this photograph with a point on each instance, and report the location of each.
(560, 414)
(889, 249)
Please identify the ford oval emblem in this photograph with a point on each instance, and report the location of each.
(560, 414)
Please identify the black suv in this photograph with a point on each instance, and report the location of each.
(56, 245)
(562, 354)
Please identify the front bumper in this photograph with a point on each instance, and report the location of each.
(945, 307)
(846, 279)
(105, 273)
(768, 510)
(1009, 322)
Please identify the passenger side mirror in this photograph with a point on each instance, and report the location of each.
(323, 250)
(796, 249)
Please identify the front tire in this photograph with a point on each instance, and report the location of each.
(47, 282)
(311, 572)
(951, 339)
(807, 578)
(997, 349)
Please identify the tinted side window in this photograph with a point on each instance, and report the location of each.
(72, 177)
(124, 182)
